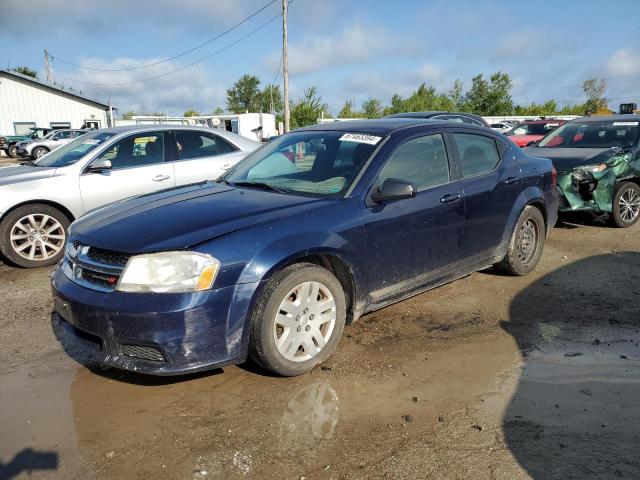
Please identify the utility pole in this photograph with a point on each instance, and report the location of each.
(285, 66)
(47, 67)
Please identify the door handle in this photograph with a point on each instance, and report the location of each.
(512, 180)
(160, 178)
(450, 197)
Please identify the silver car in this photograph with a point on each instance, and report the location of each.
(41, 146)
(39, 200)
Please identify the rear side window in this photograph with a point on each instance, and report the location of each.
(478, 154)
(421, 161)
(192, 145)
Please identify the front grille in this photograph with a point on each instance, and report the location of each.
(144, 353)
(107, 256)
(98, 278)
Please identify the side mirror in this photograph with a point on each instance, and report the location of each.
(99, 166)
(393, 189)
(532, 143)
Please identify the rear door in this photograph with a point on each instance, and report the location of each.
(491, 183)
(138, 167)
(201, 155)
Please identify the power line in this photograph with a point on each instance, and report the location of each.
(212, 39)
(181, 68)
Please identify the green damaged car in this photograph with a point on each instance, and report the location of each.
(598, 164)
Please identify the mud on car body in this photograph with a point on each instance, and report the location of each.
(598, 163)
(307, 233)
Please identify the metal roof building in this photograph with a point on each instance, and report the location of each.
(27, 102)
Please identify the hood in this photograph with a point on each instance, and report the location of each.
(22, 173)
(565, 159)
(522, 140)
(179, 218)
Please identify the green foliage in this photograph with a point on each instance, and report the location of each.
(492, 97)
(191, 113)
(128, 115)
(217, 111)
(544, 109)
(270, 99)
(307, 109)
(594, 90)
(24, 70)
(244, 95)
(347, 111)
(372, 108)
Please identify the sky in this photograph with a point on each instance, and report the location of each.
(350, 50)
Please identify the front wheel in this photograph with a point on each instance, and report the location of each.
(626, 204)
(39, 152)
(298, 319)
(526, 243)
(33, 235)
(12, 151)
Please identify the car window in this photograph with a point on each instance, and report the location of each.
(421, 161)
(136, 150)
(456, 119)
(192, 144)
(71, 152)
(594, 134)
(322, 163)
(478, 154)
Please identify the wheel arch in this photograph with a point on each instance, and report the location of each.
(70, 216)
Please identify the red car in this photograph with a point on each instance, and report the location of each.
(532, 131)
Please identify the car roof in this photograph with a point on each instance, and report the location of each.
(613, 118)
(545, 120)
(381, 126)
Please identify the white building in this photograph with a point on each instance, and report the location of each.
(26, 102)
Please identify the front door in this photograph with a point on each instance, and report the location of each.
(412, 242)
(137, 167)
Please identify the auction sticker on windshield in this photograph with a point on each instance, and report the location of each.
(360, 138)
(625, 124)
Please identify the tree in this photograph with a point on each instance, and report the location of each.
(128, 115)
(594, 90)
(24, 70)
(490, 98)
(456, 96)
(307, 109)
(244, 95)
(191, 113)
(270, 99)
(347, 111)
(372, 108)
(217, 111)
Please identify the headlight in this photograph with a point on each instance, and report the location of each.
(169, 272)
(595, 168)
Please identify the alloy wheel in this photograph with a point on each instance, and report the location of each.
(629, 205)
(305, 321)
(37, 237)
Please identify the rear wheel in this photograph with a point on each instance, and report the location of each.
(298, 320)
(39, 152)
(33, 235)
(626, 205)
(526, 243)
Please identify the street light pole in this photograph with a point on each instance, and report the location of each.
(285, 66)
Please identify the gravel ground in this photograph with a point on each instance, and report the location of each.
(488, 377)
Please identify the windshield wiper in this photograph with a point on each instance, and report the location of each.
(260, 185)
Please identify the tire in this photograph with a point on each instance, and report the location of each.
(12, 151)
(39, 152)
(288, 286)
(24, 248)
(526, 243)
(626, 204)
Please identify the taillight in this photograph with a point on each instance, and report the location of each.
(554, 176)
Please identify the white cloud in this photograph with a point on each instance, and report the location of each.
(356, 44)
(190, 88)
(624, 62)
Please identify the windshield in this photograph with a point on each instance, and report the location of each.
(73, 151)
(598, 134)
(50, 134)
(314, 163)
(534, 128)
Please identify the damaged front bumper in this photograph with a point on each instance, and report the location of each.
(159, 334)
(590, 188)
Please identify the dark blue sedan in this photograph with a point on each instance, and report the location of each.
(306, 234)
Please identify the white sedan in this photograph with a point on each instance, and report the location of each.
(501, 127)
(38, 200)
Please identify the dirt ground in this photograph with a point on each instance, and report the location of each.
(488, 377)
